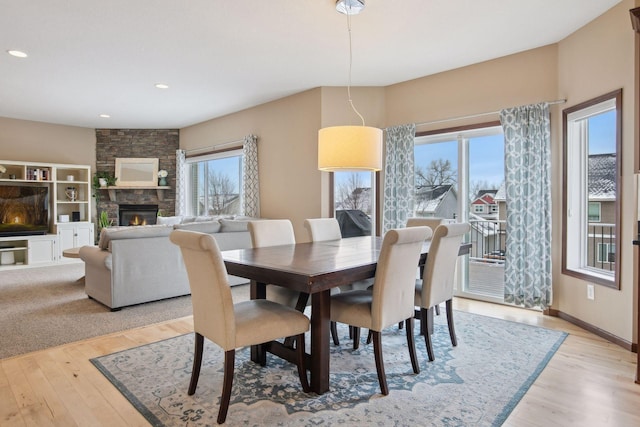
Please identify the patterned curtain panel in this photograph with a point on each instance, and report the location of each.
(399, 181)
(181, 182)
(251, 188)
(528, 191)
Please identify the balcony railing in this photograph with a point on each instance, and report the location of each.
(601, 246)
(488, 238)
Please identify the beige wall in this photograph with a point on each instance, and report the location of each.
(595, 60)
(519, 79)
(43, 142)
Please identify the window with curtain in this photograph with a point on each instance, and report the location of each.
(214, 184)
(591, 212)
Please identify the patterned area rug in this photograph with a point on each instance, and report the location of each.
(477, 383)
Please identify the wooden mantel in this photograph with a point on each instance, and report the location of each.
(114, 189)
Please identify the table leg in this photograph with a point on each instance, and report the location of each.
(258, 290)
(320, 332)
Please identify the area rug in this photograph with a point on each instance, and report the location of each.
(477, 383)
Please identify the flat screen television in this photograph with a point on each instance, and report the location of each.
(24, 210)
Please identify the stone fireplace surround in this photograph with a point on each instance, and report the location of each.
(146, 143)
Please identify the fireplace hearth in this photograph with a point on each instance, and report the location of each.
(137, 214)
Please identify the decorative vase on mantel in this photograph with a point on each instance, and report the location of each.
(163, 182)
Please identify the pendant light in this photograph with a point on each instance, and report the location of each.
(350, 148)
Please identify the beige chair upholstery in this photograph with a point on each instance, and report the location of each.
(430, 222)
(437, 281)
(391, 299)
(323, 229)
(276, 232)
(230, 325)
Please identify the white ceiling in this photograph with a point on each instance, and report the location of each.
(88, 57)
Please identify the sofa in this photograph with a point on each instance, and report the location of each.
(138, 264)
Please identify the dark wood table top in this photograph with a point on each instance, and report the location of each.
(312, 267)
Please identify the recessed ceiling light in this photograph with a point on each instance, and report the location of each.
(105, 116)
(162, 86)
(17, 53)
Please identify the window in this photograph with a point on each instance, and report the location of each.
(591, 212)
(594, 211)
(354, 202)
(478, 208)
(606, 253)
(215, 184)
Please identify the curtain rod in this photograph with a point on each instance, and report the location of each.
(472, 116)
(213, 147)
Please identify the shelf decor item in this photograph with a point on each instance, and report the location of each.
(162, 174)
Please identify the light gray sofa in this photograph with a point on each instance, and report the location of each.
(138, 264)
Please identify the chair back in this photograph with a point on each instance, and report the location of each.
(213, 313)
(439, 272)
(432, 223)
(271, 232)
(394, 285)
(322, 229)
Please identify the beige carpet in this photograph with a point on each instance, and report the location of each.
(47, 306)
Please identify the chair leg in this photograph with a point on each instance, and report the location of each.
(377, 352)
(197, 363)
(356, 337)
(302, 370)
(400, 325)
(452, 331)
(369, 337)
(229, 364)
(334, 333)
(427, 336)
(438, 310)
(411, 343)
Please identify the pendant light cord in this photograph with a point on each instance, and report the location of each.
(350, 66)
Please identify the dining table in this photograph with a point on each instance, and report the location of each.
(312, 268)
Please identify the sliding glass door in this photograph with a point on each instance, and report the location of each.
(460, 178)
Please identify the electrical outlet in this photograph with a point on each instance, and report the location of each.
(590, 291)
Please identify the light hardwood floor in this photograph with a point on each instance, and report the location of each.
(589, 381)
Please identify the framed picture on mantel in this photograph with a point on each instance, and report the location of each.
(136, 172)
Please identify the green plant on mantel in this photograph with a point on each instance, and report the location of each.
(108, 177)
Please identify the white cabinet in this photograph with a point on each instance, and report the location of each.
(74, 235)
(68, 192)
(42, 249)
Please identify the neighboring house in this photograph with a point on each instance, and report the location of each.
(602, 211)
(485, 205)
(440, 201)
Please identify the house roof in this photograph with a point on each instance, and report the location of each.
(93, 56)
(429, 198)
(602, 176)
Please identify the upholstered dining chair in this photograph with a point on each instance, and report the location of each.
(230, 325)
(437, 281)
(432, 223)
(323, 229)
(275, 232)
(391, 298)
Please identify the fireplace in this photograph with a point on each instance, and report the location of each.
(137, 214)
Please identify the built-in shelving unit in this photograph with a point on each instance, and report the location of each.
(69, 211)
